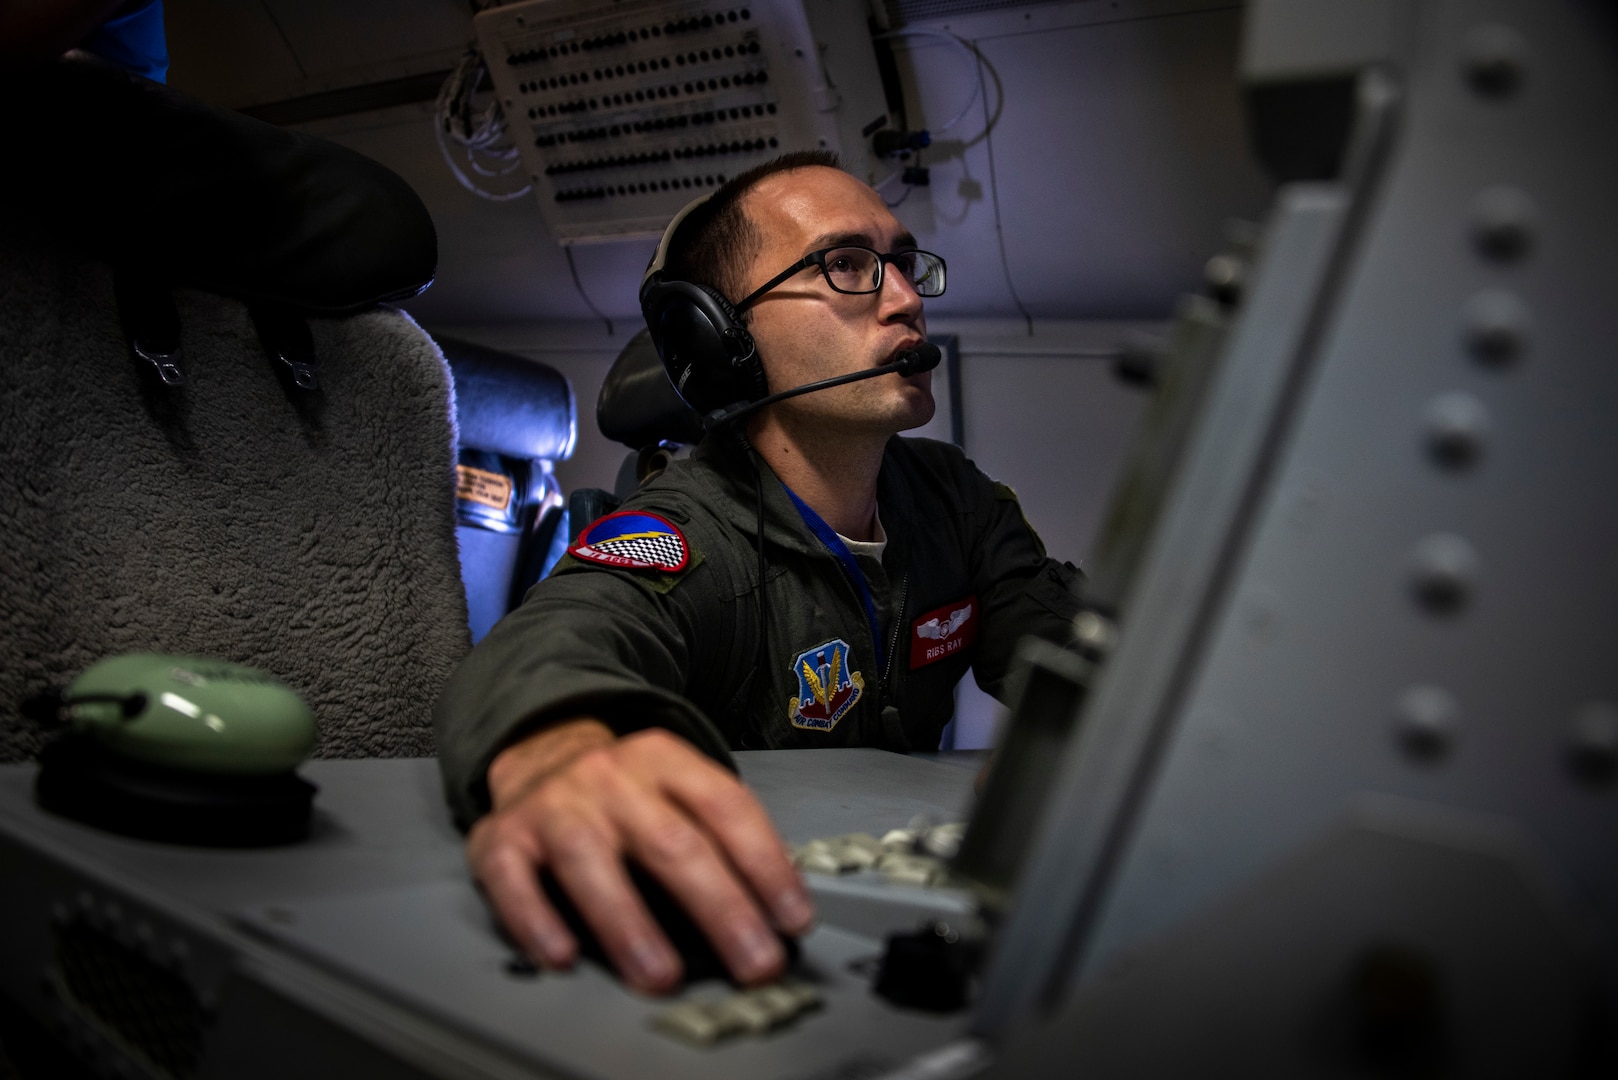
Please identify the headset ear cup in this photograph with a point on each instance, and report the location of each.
(747, 372)
(708, 355)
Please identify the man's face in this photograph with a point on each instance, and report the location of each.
(806, 331)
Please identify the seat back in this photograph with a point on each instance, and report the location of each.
(515, 418)
(638, 407)
(268, 487)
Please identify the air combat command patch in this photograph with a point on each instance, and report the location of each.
(633, 540)
(827, 687)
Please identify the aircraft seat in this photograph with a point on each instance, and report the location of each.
(218, 437)
(639, 408)
(515, 417)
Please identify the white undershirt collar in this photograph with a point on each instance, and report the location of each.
(872, 548)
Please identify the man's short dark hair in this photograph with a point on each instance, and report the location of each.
(717, 242)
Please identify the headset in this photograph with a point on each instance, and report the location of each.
(710, 357)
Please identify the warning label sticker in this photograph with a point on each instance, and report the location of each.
(482, 486)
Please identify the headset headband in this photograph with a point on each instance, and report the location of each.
(661, 256)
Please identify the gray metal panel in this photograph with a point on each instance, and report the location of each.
(432, 948)
(371, 941)
(1297, 705)
(1315, 39)
(812, 793)
(1116, 734)
(377, 822)
(1401, 942)
(254, 1004)
(1382, 513)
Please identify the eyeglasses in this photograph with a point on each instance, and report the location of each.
(858, 270)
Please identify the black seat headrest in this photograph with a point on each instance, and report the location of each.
(136, 174)
(638, 405)
(509, 404)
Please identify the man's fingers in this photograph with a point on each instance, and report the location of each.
(609, 902)
(669, 846)
(506, 871)
(509, 851)
(725, 808)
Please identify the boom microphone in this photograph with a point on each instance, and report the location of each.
(923, 357)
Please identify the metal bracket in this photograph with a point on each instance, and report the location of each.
(151, 323)
(286, 336)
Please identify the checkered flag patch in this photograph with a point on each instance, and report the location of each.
(650, 550)
(633, 540)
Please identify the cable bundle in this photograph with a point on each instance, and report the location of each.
(478, 135)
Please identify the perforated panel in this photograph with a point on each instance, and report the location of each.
(624, 115)
(153, 1012)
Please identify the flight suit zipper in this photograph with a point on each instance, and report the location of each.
(893, 640)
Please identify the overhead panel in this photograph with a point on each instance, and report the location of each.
(624, 113)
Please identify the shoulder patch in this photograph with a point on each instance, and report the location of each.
(828, 686)
(633, 540)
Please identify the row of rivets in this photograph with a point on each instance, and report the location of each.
(1427, 727)
(1457, 424)
(1504, 223)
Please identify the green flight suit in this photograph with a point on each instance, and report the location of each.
(962, 579)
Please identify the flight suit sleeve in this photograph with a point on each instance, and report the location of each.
(612, 644)
(1022, 590)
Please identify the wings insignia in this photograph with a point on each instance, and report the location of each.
(814, 683)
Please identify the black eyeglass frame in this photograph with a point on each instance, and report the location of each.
(818, 258)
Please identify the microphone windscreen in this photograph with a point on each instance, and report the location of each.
(923, 357)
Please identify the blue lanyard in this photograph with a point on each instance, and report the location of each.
(851, 569)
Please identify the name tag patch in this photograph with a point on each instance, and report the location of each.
(942, 631)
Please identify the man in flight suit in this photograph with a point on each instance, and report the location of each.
(594, 723)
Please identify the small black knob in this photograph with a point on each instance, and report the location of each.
(930, 969)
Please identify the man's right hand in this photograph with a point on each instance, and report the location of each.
(577, 800)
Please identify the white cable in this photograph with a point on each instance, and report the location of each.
(971, 55)
(994, 195)
(480, 136)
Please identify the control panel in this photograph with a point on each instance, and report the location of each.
(623, 113)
